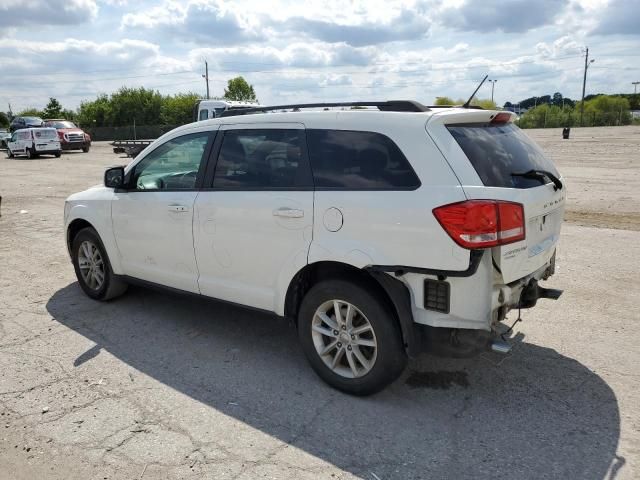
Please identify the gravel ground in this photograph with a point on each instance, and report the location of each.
(159, 386)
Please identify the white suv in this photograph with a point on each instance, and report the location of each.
(381, 232)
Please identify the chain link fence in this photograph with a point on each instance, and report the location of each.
(590, 119)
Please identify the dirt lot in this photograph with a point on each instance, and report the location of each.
(161, 386)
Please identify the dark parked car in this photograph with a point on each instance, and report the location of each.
(25, 122)
(70, 136)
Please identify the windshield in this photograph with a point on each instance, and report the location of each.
(33, 121)
(498, 151)
(61, 124)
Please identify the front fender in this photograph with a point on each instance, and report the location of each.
(97, 212)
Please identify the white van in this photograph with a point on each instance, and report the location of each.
(33, 142)
(206, 109)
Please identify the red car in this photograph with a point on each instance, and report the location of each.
(71, 137)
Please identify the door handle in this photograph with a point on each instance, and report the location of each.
(178, 208)
(287, 212)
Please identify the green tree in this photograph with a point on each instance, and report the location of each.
(606, 110)
(178, 109)
(68, 114)
(238, 89)
(478, 102)
(4, 120)
(30, 112)
(96, 113)
(484, 103)
(135, 104)
(444, 101)
(53, 109)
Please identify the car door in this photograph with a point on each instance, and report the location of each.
(152, 218)
(14, 144)
(253, 226)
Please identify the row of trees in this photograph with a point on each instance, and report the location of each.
(476, 102)
(603, 110)
(558, 100)
(136, 105)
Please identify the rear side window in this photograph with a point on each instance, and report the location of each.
(498, 151)
(204, 114)
(262, 160)
(353, 160)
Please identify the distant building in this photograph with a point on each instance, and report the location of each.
(635, 113)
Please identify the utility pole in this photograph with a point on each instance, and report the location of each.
(584, 83)
(635, 87)
(493, 84)
(10, 112)
(206, 76)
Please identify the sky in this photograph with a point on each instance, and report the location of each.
(297, 51)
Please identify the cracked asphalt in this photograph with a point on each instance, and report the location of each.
(159, 386)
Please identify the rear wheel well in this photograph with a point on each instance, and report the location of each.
(316, 272)
(320, 271)
(72, 230)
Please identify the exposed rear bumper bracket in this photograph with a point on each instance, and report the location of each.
(398, 270)
(532, 292)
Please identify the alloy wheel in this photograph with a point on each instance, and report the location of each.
(344, 339)
(91, 265)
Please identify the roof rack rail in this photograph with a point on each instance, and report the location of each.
(388, 106)
(474, 107)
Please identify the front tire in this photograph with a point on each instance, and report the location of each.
(92, 266)
(86, 149)
(350, 337)
(9, 153)
(31, 153)
(57, 154)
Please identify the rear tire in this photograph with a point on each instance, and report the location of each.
(361, 352)
(92, 266)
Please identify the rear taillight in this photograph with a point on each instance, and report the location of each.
(482, 223)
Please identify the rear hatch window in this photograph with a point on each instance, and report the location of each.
(45, 134)
(498, 151)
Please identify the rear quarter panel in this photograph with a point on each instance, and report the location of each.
(391, 227)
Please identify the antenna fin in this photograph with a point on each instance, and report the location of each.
(468, 102)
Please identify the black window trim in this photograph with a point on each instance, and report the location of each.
(215, 153)
(368, 189)
(204, 162)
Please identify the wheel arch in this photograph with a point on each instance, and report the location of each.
(392, 291)
(74, 227)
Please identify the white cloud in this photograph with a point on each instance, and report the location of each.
(506, 16)
(46, 12)
(197, 21)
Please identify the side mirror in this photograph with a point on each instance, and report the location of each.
(114, 177)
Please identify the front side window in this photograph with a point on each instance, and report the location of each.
(174, 165)
(353, 160)
(262, 159)
(25, 135)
